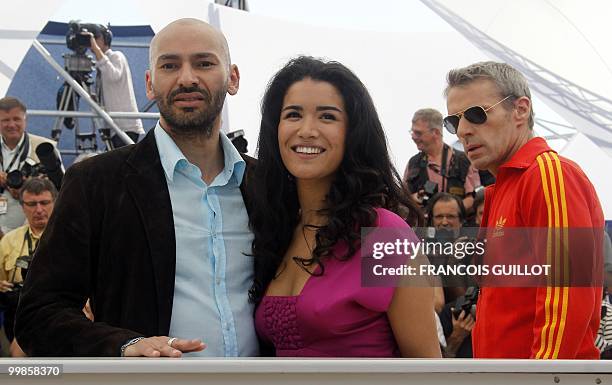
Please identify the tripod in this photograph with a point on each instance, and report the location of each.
(80, 68)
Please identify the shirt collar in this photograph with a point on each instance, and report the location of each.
(5, 147)
(34, 236)
(234, 165)
(170, 155)
(526, 155)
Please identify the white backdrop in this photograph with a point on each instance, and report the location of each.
(404, 71)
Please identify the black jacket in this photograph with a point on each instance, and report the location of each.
(111, 239)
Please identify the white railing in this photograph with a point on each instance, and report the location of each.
(269, 371)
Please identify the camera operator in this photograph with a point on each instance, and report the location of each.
(18, 152)
(37, 197)
(446, 169)
(114, 83)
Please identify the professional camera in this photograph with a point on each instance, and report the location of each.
(80, 66)
(23, 263)
(466, 302)
(430, 189)
(50, 165)
(10, 299)
(15, 178)
(76, 38)
(78, 41)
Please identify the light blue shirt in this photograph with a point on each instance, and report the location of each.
(213, 274)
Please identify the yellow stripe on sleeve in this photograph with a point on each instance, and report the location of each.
(548, 258)
(565, 251)
(557, 246)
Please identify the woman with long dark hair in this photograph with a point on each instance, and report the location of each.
(323, 173)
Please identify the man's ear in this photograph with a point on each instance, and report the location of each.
(234, 80)
(522, 109)
(149, 84)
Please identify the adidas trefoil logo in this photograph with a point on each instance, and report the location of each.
(499, 227)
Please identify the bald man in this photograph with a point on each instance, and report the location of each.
(155, 234)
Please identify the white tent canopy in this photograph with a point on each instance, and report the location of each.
(404, 71)
(560, 46)
(570, 38)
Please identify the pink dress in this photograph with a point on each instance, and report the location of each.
(333, 316)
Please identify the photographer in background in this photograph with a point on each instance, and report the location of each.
(437, 167)
(114, 83)
(18, 152)
(17, 247)
(446, 214)
(457, 323)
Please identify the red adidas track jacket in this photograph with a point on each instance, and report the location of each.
(537, 188)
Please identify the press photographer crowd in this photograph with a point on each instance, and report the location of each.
(181, 245)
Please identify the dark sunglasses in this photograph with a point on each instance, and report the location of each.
(475, 115)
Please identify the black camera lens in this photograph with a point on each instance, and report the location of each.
(83, 40)
(14, 179)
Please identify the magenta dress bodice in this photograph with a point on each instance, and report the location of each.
(333, 316)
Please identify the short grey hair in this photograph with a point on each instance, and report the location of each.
(37, 186)
(431, 116)
(508, 80)
(8, 103)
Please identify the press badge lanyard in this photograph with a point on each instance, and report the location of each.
(22, 153)
(31, 250)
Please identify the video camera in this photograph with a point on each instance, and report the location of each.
(76, 39)
(80, 65)
(50, 165)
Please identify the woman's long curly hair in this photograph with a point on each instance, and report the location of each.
(365, 179)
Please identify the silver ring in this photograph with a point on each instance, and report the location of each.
(170, 341)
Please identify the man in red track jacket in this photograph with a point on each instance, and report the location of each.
(490, 110)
